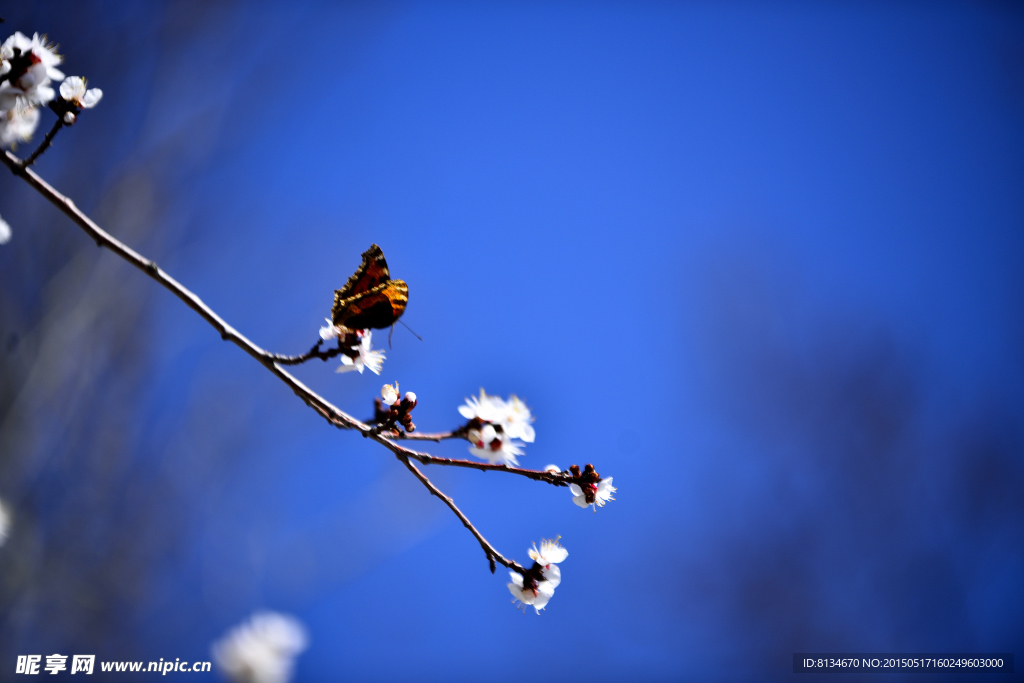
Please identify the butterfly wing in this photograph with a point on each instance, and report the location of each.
(371, 273)
(378, 308)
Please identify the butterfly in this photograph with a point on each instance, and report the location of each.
(370, 298)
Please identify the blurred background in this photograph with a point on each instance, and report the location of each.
(764, 266)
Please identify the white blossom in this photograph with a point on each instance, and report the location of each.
(550, 552)
(495, 448)
(329, 331)
(410, 397)
(261, 650)
(73, 90)
(486, 408)
(5, 232)
(480, 438)
(18, 124)
(601, 493)
(389, 394)
(513, 415)
(502, 423)
(538, 586)
(537, 595)
(366, 358)
(32, 86)
(517, 420)
(5, 523)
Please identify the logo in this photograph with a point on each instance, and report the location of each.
(370, 298)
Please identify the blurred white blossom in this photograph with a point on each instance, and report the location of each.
(32, 63)
(73, 90)
(5, 521)
(513, 415)
(495, 424)
(517, 420)
(494, 447)
(486, 408)
(261, 650)
(599, 493)
(329, 331)
(5, 232)
(365, 357)
(17, 125)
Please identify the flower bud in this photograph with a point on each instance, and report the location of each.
(487, 434)
(69, 118)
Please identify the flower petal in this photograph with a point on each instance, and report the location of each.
(92, 98)
(518, 593)
(545, 591)
(72, 88)
(552, 552)
(527, 433)
(553, 575)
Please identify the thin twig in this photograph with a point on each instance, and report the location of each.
(492, 554)
(553, 478)
(315, 352)
(45, 144)
(459, 433)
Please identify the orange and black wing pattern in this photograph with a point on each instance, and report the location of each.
(370, 298)
(370, 273)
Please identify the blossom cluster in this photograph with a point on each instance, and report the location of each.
(357, 352)
(398, 410)
(589, 489)
(537, 585)
(28, 67)
(497, 428)
(262, 650)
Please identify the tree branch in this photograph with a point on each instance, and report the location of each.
(45, 144)
(102, 238)
(553, 478)
(492, 554)
(273, 362)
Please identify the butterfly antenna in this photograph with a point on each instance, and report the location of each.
(391, 332)
(410, 329)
